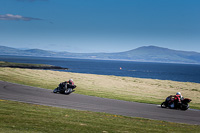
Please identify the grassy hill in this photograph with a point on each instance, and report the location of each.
(134, 89)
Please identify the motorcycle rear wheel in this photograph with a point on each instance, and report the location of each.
(55, 90)
(163, 105)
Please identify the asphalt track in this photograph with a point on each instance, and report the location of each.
(27, 94)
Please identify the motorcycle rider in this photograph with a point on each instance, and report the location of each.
(177, 99)
(70, 84)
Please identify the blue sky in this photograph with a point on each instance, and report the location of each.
(100, 25)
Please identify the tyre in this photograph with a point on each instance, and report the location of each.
(68, 91)
(184, 106)
(55, 90)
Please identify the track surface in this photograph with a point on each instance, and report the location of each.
(27, 94)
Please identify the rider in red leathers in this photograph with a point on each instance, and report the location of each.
(177, 99)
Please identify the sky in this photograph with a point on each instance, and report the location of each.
(87, 26)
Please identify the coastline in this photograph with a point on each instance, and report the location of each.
(30, 66)
(163, 71)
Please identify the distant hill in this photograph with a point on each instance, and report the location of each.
(158, 54)
(144, 54)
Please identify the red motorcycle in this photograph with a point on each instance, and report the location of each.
(172, 103)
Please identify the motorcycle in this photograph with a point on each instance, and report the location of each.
(64, 88)
(171, 103)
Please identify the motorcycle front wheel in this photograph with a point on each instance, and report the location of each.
(68, 91)
(184, 106)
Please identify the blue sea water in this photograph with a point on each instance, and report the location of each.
(163, 71)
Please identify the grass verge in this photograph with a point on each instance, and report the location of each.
(113, 87)
(19, 117)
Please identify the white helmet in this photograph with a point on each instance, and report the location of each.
(71, 80)
(178, 93)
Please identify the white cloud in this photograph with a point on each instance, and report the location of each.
(16, 17)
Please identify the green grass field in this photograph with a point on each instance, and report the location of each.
(113, 87)
(18, 117)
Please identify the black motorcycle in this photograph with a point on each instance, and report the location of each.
(171, 103)
(64, 88)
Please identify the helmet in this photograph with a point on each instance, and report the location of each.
(178, 93)
(71, 80)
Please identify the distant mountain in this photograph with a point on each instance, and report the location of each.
(144, 54)
(9, 50)
(159, 54)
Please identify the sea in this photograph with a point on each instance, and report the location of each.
(162, 71)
